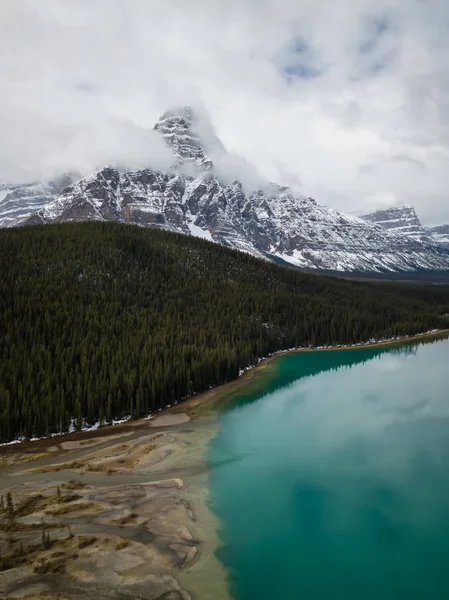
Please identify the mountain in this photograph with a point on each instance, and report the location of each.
(191, 138)
(19, 201)
(403, 219)
(400, 219)
(101, 320)
(440, 234)
(195, 195)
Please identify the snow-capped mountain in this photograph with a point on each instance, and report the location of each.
(399, 219)
(191, 138)
(193, 197)
(440, 234)
(19, 201)
(404, 220)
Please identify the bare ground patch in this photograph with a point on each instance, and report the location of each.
(110, 537)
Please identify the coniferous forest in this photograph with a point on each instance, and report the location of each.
(100, 320)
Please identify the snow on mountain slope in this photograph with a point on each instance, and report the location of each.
(271, 222)
(275, 223)
(404, 220)
(19, 201)
(401, 219)
(440, 234)
(191, 137)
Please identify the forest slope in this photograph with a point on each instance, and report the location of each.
(101, 320)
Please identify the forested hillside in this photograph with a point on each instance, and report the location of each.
(99, 320)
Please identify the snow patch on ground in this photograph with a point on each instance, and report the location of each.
(72, 429)
(198, 232)
(295, 258)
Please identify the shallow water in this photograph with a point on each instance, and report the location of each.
(330, 477)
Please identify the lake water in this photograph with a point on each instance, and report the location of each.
(330, 477)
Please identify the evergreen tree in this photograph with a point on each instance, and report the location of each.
(100, 320)
(109, 409)
(79, 415)
(9, 504)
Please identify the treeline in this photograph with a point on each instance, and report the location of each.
(99, 320)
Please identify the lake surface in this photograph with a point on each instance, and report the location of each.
(330, 477)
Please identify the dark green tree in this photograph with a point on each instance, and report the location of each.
(9, 504)
(101, 320)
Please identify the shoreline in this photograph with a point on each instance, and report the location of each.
(200, 401)
(200, 398)
(370, 344)
(151, 475)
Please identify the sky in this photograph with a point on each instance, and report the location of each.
(346, 101)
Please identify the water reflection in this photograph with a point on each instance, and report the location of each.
(331, 477)
(269, 381)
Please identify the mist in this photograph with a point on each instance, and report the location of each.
(348, 105)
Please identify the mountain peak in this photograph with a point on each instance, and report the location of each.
(191, 136)
(440, 234)
(399, 219)
(394, 209)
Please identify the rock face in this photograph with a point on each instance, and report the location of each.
(401, 219)
(19, 201)
(272, 222)
(191, 138)
(404, 220)
(440, 234)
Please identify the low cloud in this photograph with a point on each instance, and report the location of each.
(305, 91)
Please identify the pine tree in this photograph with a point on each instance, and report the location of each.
(138, 412)
(79, 415)
(9, 504)
(127, 320)
(46, 540)
(109, 409)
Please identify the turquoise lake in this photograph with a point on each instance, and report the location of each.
(330, 476)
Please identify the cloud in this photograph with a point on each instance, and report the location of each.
(351, 99)
(233, 167)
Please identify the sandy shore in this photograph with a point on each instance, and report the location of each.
(123, 509)
(130, 519)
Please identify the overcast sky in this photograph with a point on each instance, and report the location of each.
(347, 100)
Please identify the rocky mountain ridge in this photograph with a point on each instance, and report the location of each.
(399, 219)
(403, 219)
(440, 234)
(272, 222)
(19, 201)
